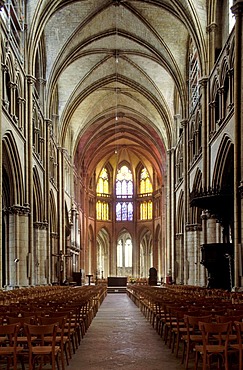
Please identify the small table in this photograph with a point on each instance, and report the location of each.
(89, 277)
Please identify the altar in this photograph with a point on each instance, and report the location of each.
(117, 281)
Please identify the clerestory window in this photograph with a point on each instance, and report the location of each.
(124, 194)
(102, 193)
(146, 189)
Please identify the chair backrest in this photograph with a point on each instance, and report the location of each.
(39, 332)
(227, 318)
(10, 331)
(235, 312)
(60, 321)
(20, 320)
(212, 331)
(192, 322)
(239, 330)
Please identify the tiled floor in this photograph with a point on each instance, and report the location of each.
(121, 337)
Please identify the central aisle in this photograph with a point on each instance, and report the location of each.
(121, 337)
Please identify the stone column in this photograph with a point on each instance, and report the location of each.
(21, 103)
(13, 87)
(169, 211)
(5, 99)
(205, 120)
(211, 30)
(186, 195)
(203, 241)
(1, 98)
(46, 160)
(211, 228)
(54, 241)
(193, 242)
(205, 167)
(237, 10)
(61, 201)
(18, 245)
(29, 166)
(180, 263)
(40, 252)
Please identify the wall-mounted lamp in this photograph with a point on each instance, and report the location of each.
(16, 260)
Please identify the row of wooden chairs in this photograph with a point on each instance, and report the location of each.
(185, 317)
(49, 325)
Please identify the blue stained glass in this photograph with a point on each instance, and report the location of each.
(124, 211)
(118, 211)
(130, 212)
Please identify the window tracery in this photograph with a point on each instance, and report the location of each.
(124, 191)
(146, 188)
(103, 191)
(194, 75)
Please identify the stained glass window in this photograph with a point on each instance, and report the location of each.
(102, 210)
(124, 183)
(103, 183)
(146, 188)
(124, 190)
(145, 183)
(124, 211)
(194, 75)
(146, 210)
(102, 190)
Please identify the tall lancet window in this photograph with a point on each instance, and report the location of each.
(194, 75)
(103, 192)
(145, 190)
(124, 194)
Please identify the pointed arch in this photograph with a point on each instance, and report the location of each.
(13, 169)
(37, 197)
(91, 253)
(225, 83)
(146, 252)
(124, 247)
(224, 165)
(103, 253)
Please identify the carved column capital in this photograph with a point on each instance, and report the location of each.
(41, 225)
(18, 209)
(184, 123)
(31, 79)
(212, 27)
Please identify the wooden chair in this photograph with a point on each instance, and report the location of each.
(178, 328)
(193, 335)
(215, 341)
(39, 349)
(72, 325)
(9, 349)
(69, 330)
(232, 319)
(62, 340)
(239, 345)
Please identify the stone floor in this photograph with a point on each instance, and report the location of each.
(121, 337)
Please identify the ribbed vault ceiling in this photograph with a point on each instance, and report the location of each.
(119, 68)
